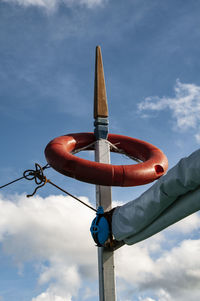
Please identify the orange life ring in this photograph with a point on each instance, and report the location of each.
(154, 165)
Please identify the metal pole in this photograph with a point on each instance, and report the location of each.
(103, 193)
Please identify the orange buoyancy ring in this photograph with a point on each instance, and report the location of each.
(59, 156)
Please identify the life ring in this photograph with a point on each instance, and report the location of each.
(154, 165)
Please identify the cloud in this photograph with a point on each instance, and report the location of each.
(52, 233)
(52, 4)
(146, 299)
(177, 272)
(169, 274)
(67, 282)
(185, 107)
(187, 225)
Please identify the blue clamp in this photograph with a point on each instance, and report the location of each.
(100, 229)
(101, 128)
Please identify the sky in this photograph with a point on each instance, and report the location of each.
(151, 61)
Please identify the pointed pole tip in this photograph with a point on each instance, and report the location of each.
(100, 98)
(98, 54)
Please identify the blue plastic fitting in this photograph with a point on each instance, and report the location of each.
(100, 228)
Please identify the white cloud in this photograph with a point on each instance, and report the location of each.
(65, 285)
(92, 3)
(172, 276)
(54, 230)
(48, 296)
(187, 225)
(168, 270)
(52, 4)
(146, 299)
(185, 107)
(53, 233)
(197, 137)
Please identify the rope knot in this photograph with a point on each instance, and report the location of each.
(37, 175)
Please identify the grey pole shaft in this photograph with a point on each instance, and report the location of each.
(105, 256)
(103, 193)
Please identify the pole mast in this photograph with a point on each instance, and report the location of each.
(103, 193)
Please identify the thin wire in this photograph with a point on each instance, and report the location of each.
(53, 184)
(11, 182)
(112, 146)
(83, 148)
(121, 151)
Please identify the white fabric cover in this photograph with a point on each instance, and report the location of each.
(173, 197)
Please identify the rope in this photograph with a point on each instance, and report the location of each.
(11, 182)
(83, 148)
(53, 184)
(25, 176)
(40, 179)
(113, 146)
(121, 151)
(36, 175)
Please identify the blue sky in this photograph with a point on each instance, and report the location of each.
(151, 63)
